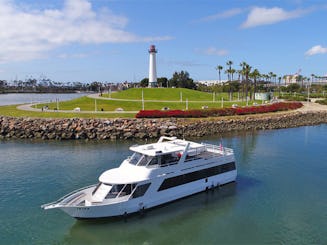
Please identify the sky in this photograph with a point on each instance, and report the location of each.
(108, 40)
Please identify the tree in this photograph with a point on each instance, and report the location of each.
(294, 87)
(182, 80)
(246, 68)
(3, 83)
(279, 80)
(229, 64)
(232, 72)
(95, 86)
(254, 75)
(219, 68)
(144, 82)
(162, 82)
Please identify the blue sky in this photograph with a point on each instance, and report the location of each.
(107, 40)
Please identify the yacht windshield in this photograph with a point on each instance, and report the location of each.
(135, 158)
(144, 160)
(139, 159)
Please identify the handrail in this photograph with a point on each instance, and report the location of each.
(221, 149)
(64, 197)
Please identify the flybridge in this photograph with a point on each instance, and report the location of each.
(167, 145)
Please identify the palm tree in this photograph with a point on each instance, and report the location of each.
(255, 74)
(246, 70)
(232, 71)
(229, 63)
(279, 79)
(285, 78)
(242, 65)
(312, 76)
(219, 68)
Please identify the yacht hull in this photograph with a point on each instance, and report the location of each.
(152, 200)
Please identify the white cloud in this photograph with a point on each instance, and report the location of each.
(266, 16)
(29, 34)
(318, 49)
(74, 56)
(213, 51)
(223, 15)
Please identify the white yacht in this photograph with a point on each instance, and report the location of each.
(155, 174)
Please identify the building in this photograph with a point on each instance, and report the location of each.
(212, 82)
(290, 79)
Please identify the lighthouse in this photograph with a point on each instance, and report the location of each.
(152, 67)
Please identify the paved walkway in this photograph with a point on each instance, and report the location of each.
(310, 106)
(29, 107)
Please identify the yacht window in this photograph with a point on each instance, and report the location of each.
(135, 158)
(114, 191)
(197, 175)
(140, 190)
(97, 187)
(127, 190)
(154, 161)
(168, 159)
(144, 160)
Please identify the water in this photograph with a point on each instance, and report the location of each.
(13, 99)
(280, 196)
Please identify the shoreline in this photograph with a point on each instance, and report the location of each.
(122, 129)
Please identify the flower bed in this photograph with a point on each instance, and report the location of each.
(281, 106)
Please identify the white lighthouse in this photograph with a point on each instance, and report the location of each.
(152, 67)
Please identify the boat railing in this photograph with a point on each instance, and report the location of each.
(218, 149)
(71, 194)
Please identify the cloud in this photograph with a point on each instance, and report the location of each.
(27, 34)
(182, 63)
(266, 16)
(222, 15)
(74, 56)
(318, 49)
(213, 51)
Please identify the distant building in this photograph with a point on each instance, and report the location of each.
(212, 82)
(320, 80)
(290, 79)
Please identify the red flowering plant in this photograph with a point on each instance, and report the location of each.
(281, 106)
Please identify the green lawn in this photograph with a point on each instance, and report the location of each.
(167, 94)
(85, 103)
(89, 104)
(12, 111)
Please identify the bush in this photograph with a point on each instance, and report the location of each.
(322, 102)
(282, 106)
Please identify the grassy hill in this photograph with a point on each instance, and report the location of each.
(165, 94)
(165, 97)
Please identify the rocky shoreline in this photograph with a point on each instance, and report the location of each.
(114, 129)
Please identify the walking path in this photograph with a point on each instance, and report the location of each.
(29, 107)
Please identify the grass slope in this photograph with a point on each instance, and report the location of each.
(89, 104)
(12, 111)
(170, 95)
(166, 94)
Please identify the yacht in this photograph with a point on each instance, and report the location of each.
(153, 175)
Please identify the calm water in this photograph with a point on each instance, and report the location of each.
(12, 99)
(280, 196)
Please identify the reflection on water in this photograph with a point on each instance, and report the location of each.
(158, 225)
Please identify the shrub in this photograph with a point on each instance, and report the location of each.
(282, 106)
(322, 102)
